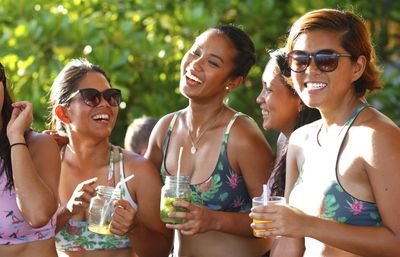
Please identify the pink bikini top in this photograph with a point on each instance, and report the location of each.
(13, 227)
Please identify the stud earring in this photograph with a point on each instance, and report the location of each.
(227, 88)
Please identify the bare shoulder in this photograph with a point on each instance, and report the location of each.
(375, 127)
(138, 165)
(246, 128)
(304, 133)
(41, 143)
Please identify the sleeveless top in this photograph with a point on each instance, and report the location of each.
(13, 228)
(224, 190)
(75, 235)
(318, 191)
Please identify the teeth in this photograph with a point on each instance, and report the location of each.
(192, 77)
(316, 85)
(101, 117)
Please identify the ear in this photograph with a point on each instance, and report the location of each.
(61, 114)
(359, 67)
(233, 83)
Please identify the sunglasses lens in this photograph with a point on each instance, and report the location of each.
(298, 61)
(326, 61)
(112, 96)
(91, 96)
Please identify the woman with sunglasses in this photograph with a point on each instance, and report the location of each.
(85, 109)
(342, 172)
(28, 181)
(224, 152)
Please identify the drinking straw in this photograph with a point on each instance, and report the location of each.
(123, 181)
(179, 169)
(265, 194)
(108, 204)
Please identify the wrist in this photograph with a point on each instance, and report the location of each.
(16, 139)
(214, 223)
(18, 144)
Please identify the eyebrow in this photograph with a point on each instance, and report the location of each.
(213, 55)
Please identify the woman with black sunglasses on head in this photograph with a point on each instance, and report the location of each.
(342, 172)
(28, 181)
(85, 109)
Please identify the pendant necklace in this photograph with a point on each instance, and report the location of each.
(193, 149)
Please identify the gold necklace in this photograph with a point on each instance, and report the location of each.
(193, 149)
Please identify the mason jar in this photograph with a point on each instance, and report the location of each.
(170, 192)
(101, 208)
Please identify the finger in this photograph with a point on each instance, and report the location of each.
(124, 204)
(181, 203)
(115, 229)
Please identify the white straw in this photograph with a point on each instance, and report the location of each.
(108, 204)
(179, 168)
(265, 194)
(123, 181)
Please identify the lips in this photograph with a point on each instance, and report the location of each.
(101, 117)
(193, 80)
(315, 85)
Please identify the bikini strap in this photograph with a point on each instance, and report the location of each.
(228, 128)
(111, 168)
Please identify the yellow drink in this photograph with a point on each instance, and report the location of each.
(105, 230)
(259, 230)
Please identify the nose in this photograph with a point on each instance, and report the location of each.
(312, 67)
(196, 63)
(103, 101)
(261, 97)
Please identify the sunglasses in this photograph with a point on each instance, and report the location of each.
(92, 97)
(326, 60)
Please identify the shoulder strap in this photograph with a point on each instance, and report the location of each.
(228, 128)
(111, 168)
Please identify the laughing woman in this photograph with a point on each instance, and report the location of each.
(225, 154)
(342, 171)
(85, 108)
(28, 182)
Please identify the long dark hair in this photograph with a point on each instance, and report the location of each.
(5, 151)
(305, 116)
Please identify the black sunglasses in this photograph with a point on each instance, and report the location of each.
(326, 60)
(92, 97)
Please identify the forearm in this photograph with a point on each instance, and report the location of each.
(236, 223)
(35, 199)
(63, 215)
(143, 241)
(365, 241)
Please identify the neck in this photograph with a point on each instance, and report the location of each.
(86, 151)
(197, 117)
(339, 115)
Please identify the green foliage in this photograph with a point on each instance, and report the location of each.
(140, 44)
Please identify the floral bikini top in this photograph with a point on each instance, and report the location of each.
(224, 190)
(13, 227)
(75, 235)
(318, 191)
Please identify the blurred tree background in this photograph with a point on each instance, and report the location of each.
(140, 43)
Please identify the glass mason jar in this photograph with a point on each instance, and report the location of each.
(171, 192)
(101, 207)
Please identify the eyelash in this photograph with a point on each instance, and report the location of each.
(210, 62)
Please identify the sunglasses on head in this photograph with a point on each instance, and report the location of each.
(326, 60)
(92, 97)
